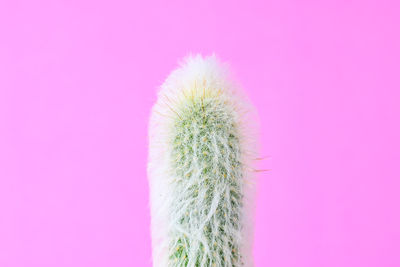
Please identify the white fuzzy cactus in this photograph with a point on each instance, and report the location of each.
(201, 151)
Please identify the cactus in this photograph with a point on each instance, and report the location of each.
(199, 169)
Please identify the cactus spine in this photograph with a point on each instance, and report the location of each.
(197, 169)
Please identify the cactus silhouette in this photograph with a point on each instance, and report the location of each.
(201, 146)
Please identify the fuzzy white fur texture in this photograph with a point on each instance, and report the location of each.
(202, 145)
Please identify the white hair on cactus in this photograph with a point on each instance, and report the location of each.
(201, 149)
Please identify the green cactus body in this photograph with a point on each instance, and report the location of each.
(208, 198)
(199, 161)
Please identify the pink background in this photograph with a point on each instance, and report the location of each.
(78, 78)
